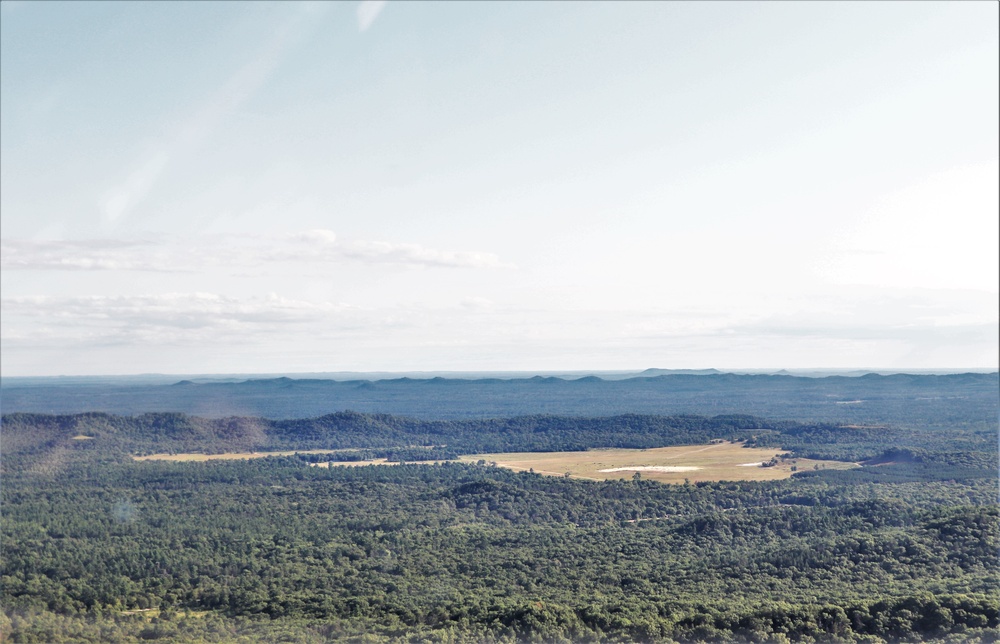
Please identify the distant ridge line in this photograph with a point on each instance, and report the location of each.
(462, 376)
(679, 374)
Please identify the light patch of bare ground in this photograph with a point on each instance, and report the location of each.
(653, 468)
(374, 461)
(720, 461)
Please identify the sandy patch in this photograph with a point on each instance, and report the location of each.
(723, 461)
(376, 461)
(83, 437)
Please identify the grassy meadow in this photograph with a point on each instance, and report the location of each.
(723, 461)
(720, 461)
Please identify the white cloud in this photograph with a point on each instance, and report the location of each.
(165, 318)
(478, 303)
(316, 246)
(276, 333)
(319, 236)
(368, 11)
(419, 255)
(78, 255)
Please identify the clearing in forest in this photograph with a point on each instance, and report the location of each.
(235, 455)
(374, 461)
(723, 461)
(719, 461)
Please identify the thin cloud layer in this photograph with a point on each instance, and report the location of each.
(419, 255)
(165, 327)
(163, 318)
(76, 255)
(186, 255)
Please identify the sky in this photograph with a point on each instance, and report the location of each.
(199, 187)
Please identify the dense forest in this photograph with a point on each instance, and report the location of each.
(98, 547)
(943, 401)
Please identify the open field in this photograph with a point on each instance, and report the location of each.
(716, 462)
(234, 455)
(374, 461)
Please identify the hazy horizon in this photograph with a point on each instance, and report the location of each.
(486, 187)
(512, 374)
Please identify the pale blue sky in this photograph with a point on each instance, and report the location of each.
(202, 187)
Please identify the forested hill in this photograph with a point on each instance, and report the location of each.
(95, 547)
(28, 438)
(914, 400)
(172, 432)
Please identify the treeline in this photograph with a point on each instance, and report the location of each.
(37, 442)
(965, 619)
(35, 434)
(150, 433)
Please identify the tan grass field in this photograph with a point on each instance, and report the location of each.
(374, 461)
(716, 462)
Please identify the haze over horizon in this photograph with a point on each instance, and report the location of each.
(419, 375)
(222, 188)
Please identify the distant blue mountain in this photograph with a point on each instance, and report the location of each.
(905, 399)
